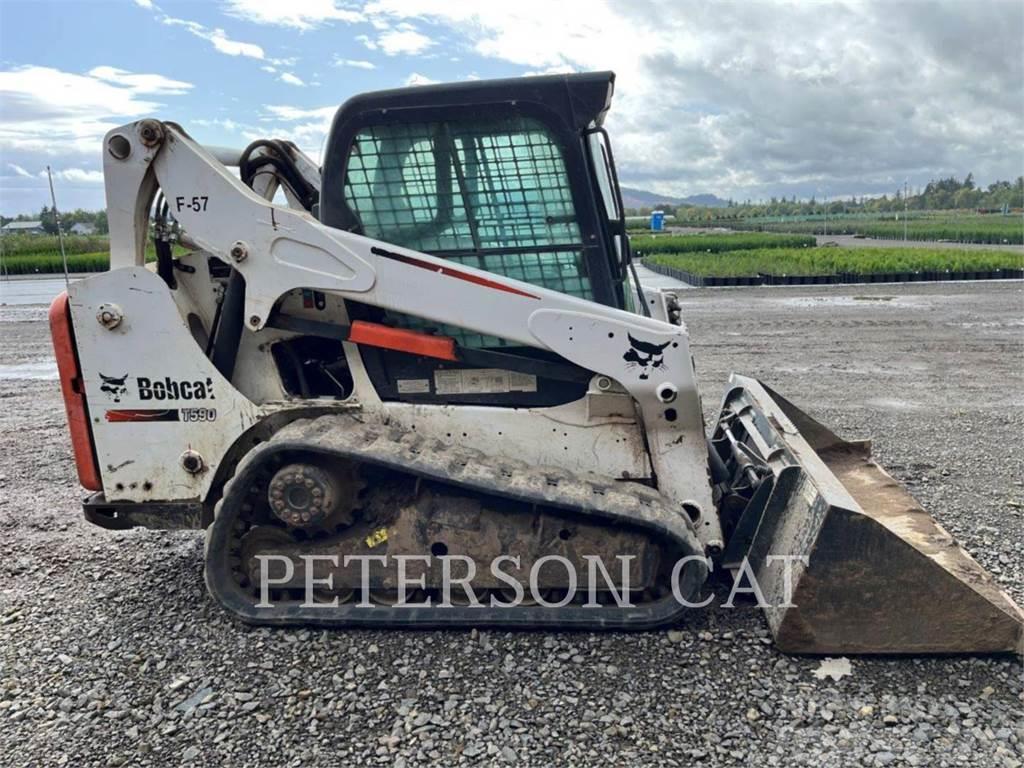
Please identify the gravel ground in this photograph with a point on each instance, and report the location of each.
(112, 654)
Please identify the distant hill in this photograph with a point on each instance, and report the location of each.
(641, 198)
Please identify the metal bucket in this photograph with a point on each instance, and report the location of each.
(870, 571)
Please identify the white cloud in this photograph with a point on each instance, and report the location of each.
(417, 79)
(147, 4)
(402, 41)
(50, 111)
(288, 77)
(291, 114)
(225, 124)
(298, 14)
(354, 63)
(218, 37)
(72, 175)
(77, 175)
(307, 127)
(154, 84)
(763, 98)
(561, 69)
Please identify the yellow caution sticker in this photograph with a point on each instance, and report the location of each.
(377, 537)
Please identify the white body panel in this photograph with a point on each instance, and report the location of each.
(141, 459)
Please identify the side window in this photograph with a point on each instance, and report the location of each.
(602, 167)
(491, 194)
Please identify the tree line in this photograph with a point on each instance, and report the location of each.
(938, 195)
(68, 219)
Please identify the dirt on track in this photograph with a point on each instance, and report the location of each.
(111, 653)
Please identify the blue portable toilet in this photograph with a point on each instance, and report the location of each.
(657, 221)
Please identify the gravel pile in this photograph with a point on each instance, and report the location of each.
(112, 654)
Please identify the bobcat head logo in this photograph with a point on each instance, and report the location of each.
(645, 355)
(114, 387)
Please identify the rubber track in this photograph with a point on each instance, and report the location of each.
(349, 436)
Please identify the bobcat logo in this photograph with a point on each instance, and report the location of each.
(645, 355)
(114, 387)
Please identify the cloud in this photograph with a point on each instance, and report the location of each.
(402, 41)
(298, 14)
(153, 84)
(747, 100)
(288, 77)
(72, 175)
(354, 63)
(147, 4)
(291, 114)
(754, 99)
(560, 69)
(50, 111)
(77, 175)
(218, 37)
(225, 124)
(307, 127)
(417, 79)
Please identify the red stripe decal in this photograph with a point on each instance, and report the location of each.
(142, 414)
(449, 272)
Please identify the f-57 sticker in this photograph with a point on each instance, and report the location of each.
(197, 204)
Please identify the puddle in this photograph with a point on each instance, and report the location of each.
(36, 369)
(903, 302)
(33, 290)
(990, 324)
(892, 404)
(22, 314)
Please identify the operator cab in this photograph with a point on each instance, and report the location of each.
(513, 176)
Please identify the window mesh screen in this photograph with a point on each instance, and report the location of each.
(489, 194)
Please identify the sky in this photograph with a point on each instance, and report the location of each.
(744, 100)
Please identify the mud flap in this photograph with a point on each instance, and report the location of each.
(871, 571)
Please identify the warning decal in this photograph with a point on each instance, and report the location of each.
(482, 381)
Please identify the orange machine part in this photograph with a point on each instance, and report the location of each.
(74, 394)
(402, 340)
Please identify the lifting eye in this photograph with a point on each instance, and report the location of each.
(119, 147)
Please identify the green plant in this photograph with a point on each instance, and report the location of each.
(717, 242)
(830, 261)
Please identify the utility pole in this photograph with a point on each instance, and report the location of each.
(905, 182)
(60, 229)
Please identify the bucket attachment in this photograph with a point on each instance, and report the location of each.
(878, 574)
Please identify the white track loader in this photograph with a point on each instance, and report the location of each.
(431, 355)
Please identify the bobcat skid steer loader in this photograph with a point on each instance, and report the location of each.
(431, 356)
